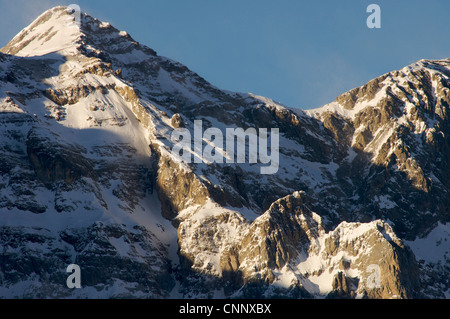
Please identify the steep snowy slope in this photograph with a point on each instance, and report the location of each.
(76, 164)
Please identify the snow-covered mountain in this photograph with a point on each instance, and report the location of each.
(357, 208)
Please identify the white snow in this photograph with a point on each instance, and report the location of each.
(60, 33)
(435, 247)
(115, 124)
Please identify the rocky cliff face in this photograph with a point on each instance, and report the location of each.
(398, 121)
(358, 203)
(287, 251)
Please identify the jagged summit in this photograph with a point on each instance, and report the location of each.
(400, 82)
(61, 29)
(54, 30)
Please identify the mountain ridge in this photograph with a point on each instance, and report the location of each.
(88, 134)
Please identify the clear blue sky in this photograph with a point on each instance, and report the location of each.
(300, 53)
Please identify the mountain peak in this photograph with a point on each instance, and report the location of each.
(90, 127)
(54, 30)
(68, 31)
